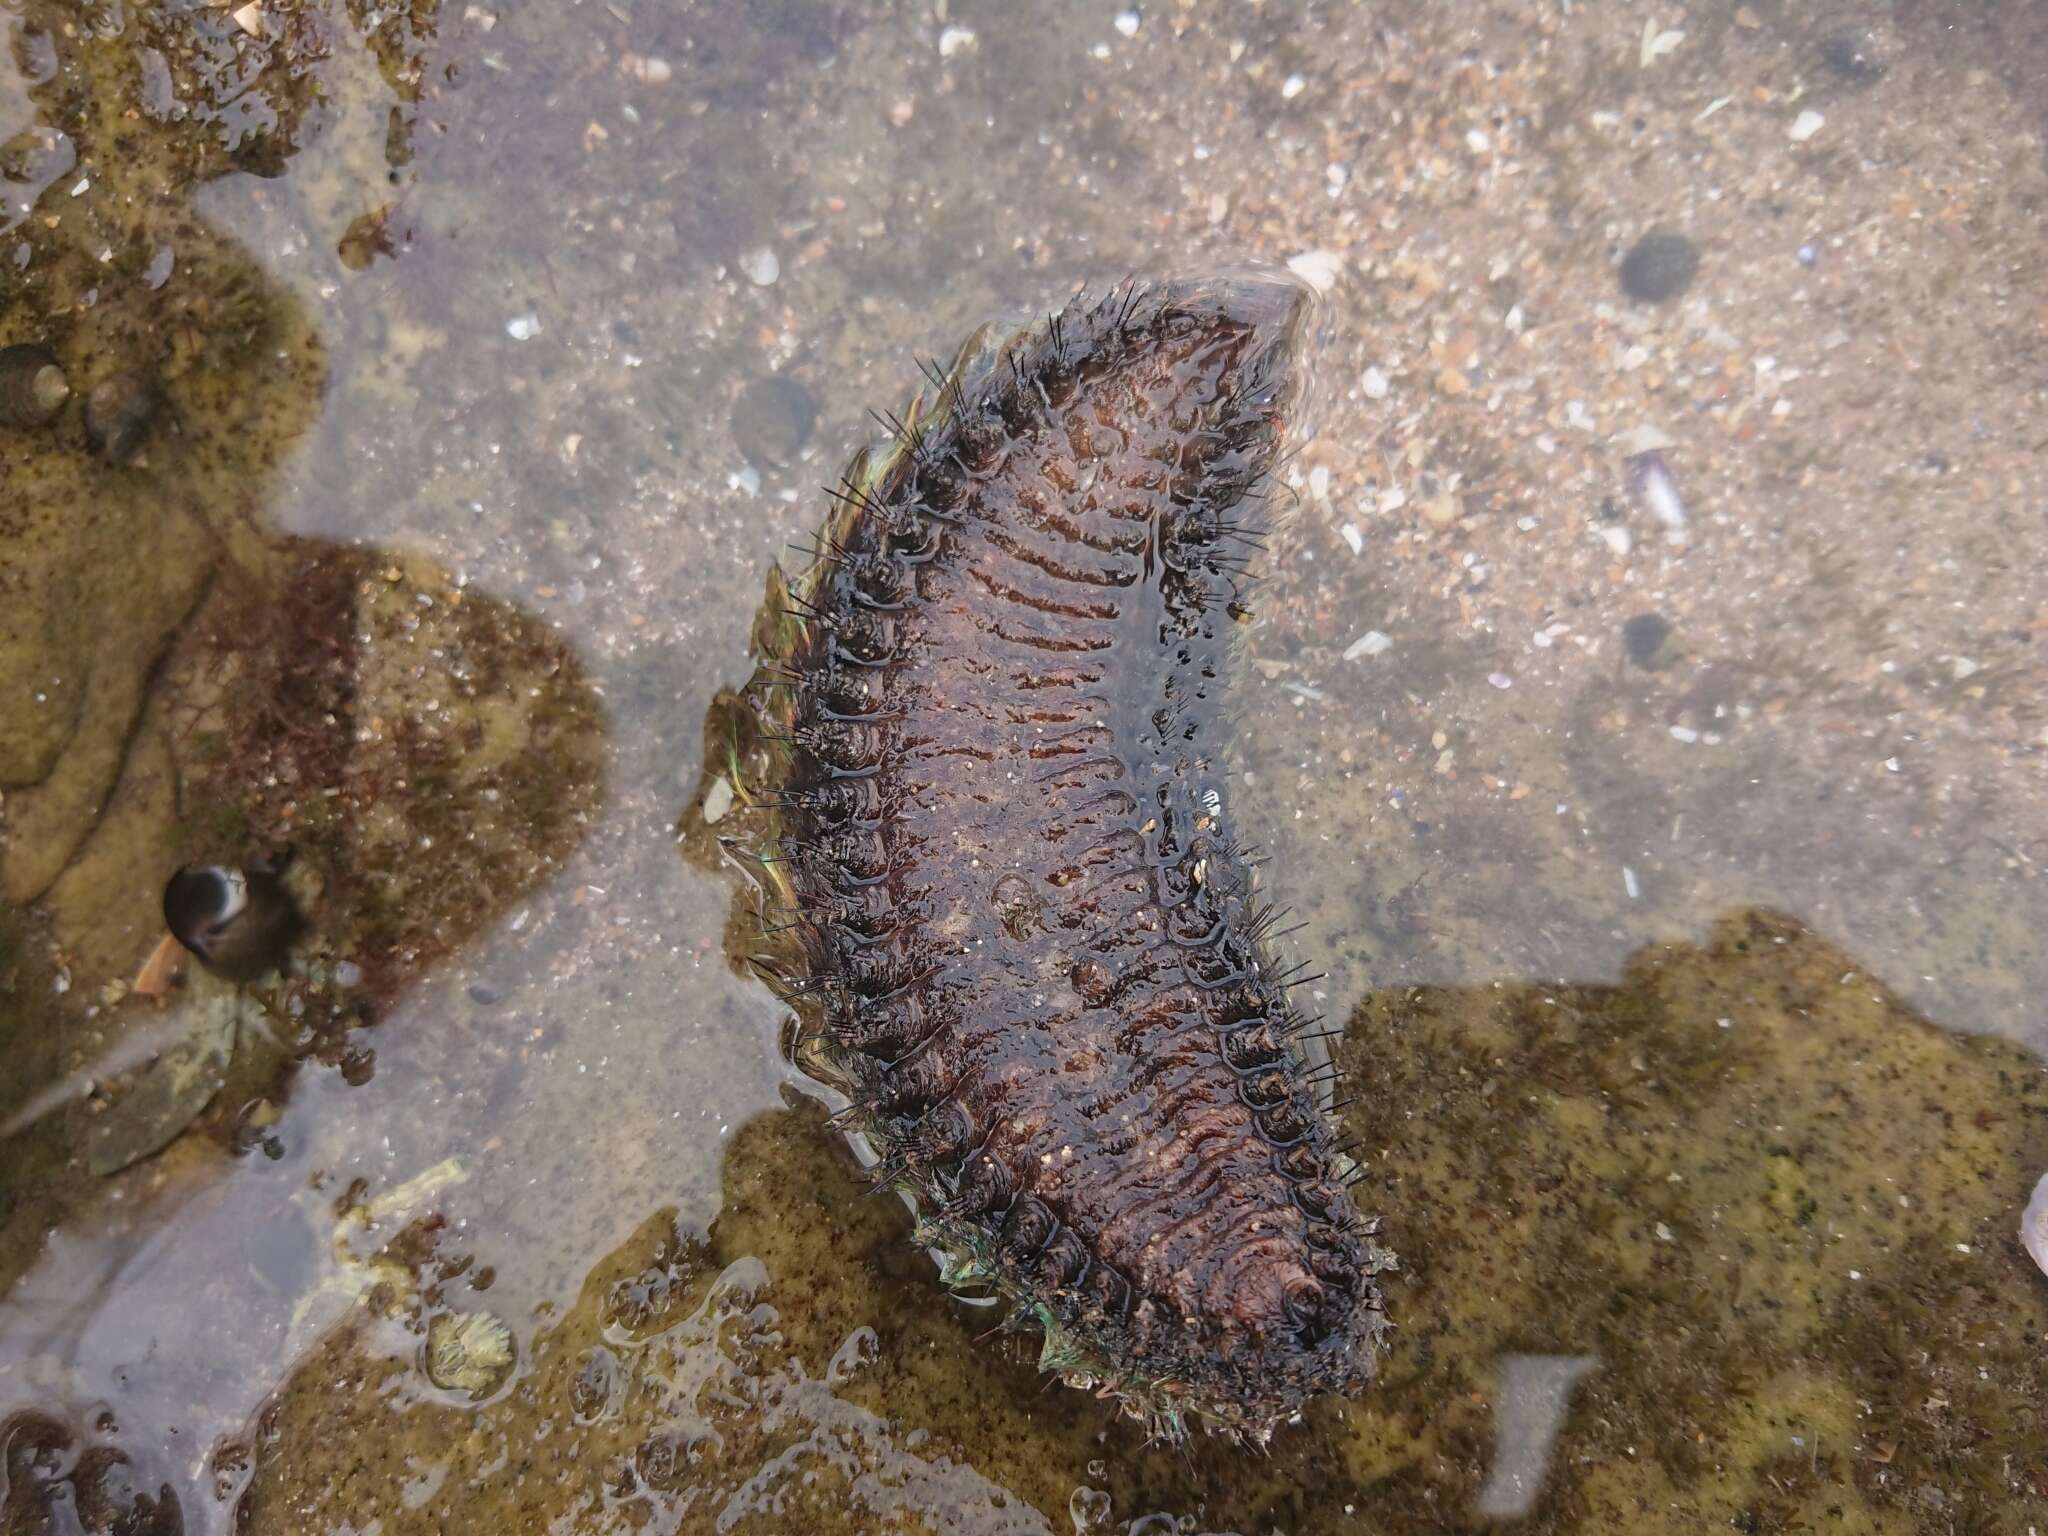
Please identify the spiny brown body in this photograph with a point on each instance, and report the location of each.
(1037, 950)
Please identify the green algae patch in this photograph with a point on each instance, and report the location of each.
(1718, 1177)
(681, 1390)
(1773, 1211)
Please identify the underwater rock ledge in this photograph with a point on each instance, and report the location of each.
(1022, 939)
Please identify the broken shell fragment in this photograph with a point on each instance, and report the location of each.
(1657, 488)
(32, 387)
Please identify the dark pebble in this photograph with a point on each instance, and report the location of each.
(1658, 267)
(1647, 635)
(482, 994)
(772, 420)
(1855, 54)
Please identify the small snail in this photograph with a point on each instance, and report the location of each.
(33, 388)
(240, 923)
(118, 414)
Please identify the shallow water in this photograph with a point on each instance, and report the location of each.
(1689, 965)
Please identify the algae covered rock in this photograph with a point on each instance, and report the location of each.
(188, 374)
(1772, 1205)
(1770, 1268)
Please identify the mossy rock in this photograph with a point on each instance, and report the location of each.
(1785, 1244)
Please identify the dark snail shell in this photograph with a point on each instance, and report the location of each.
(33, 388)
(241, 923)
(119, 413)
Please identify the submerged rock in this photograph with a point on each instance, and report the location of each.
(772, 420)
(1839, 1179)
(1647, 638)
(1659, 267)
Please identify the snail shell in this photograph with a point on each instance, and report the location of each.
(33, 388)
(118, 414)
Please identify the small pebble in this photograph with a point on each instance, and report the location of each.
(1809, 254)
(1500, 680)
(1806, 125)
(772, 419)
(1645, 637)
(482, 993)
(761, 267)
(954, 39)
(1319, 269)
(1855, 54)
(717, 801)
(1292, 87)
(1657, 43)
(523, 327)
(637, 66)
(1659, 267)
(347, 973)
(1127, 22)
(1375, 384)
